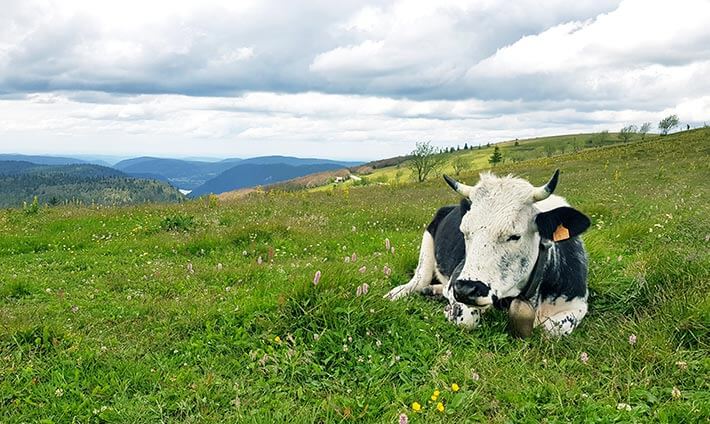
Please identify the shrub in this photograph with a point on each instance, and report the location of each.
(178, 222)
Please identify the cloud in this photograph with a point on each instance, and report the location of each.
(341, 79)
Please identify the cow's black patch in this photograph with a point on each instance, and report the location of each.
(440, 214)
(449, 247)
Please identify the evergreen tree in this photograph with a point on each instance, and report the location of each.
(496, 157)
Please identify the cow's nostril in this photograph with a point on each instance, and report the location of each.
(472, 289)
(480, 289)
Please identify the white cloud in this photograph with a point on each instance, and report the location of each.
(341, 79)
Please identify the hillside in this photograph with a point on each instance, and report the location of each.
(208, 312)
(252, 175)
(20, 182)
(41, 160)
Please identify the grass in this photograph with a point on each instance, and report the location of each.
(165, 313)
(513, 151)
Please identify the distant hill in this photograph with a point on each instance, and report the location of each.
(41, 160)
(251, 175)
(190, 174)
(21, 181)
(185, 174)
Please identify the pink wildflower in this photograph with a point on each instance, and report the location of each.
(362, 269)
(316, 278)
(353, 258)
(403, 419)
(387, 244)
(387, 270)
(584, 357)
(632, 339)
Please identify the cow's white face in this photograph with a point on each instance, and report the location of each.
(501, 239)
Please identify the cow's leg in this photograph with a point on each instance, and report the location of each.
(422, 275)
(562, 317)
(458, 313)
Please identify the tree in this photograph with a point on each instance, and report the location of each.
(627, 132)
(424, 160)
(645, 128)
(459, 165)
(496, 157)
(465, 146)
(668, 123)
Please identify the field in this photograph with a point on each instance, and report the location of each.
(207, 311)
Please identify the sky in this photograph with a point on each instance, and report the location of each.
(340, 79)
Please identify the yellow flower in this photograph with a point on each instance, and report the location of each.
(434, 398)
(277, 339)
(440, 407)
(437, 392)
(455, 387)
(416, 406)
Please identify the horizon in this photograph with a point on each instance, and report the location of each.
(352, 81)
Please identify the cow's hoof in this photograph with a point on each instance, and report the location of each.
(522, 318)
(397, 292)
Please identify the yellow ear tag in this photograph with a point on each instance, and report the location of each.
(561, 233)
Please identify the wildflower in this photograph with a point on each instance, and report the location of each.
(440, 407)
(632, 339)
(403, 419)
(353, 257)
(365, 288)
(378, 343)
(316, 278)
(682, 365)
(219, 266)
(358, 291)
(245, 253)
(228, 288)
(345, 348)
(59, 393)
(675, 393)
(416, 407)
(623, 406)
(277, 339)
(387, 270)
(455, 387)
(362, 269)
(392, 250)
(347, 259)
(74, 309)
(475, 376)
(584, 357)
(316, 336)
(354, 229)
(388, 246)
(259, 261)
(190, 269)
(48, 290)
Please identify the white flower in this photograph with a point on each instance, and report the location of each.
(623, 407)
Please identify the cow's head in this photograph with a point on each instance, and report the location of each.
(504, 220)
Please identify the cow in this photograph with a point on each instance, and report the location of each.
(507, 245)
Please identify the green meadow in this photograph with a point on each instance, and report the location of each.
(207, 311)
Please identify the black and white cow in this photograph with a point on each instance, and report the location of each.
(510, 245)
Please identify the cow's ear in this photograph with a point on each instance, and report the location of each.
(465, 206)
(561, 223)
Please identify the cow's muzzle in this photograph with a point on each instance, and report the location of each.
(474, 293)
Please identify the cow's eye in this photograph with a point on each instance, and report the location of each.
(514, 237)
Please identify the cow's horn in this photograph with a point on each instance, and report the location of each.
(542, 193)
(462, 189)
